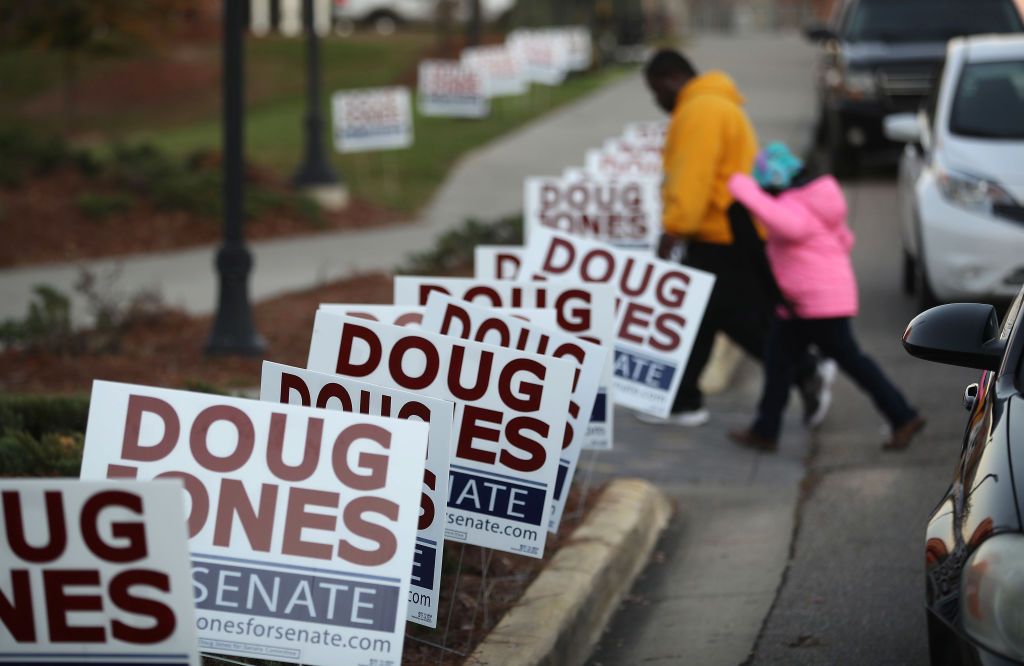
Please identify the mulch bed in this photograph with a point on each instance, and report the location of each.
(41, 223)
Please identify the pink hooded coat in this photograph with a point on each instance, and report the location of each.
(808, 244)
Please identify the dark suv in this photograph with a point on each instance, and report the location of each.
(883, 56)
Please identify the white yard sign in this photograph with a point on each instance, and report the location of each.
(584, 310)
(510, 417)
(450, 316)
(297, 386)
(502, 70)
(624, 211)
(601, 427)
(545, 54)
(372, 119)
(95, 573)
(651, 133)
(302, 521)
(659, 309)
(610, 163)
(497, 262)
(449, 88)
(396, 315)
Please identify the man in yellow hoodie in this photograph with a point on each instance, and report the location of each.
(709, 139)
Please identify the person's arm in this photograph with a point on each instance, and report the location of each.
(782, 221)
(690, 169)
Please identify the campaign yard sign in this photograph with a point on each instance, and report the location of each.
(651, 133)
(601, 427)
(608, 163)
(95, 573)
(545, 54)
(396, 315)
(659, 309)
(581, 47)
(372, 119)
(585, 310)
(302, 521)
(497, 262)
(510, 416)
(450, 316)
(622, 211)
(285, 384)
(502, 70)
(450, 89)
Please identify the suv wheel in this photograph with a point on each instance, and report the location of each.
(384, 23)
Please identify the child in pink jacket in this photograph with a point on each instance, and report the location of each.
(808, 246)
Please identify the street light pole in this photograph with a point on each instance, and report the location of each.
(315, 173)
(233, 331)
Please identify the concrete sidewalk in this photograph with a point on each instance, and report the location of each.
(487, 184)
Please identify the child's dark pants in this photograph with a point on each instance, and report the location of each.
(787, 342)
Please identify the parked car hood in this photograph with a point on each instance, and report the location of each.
(869, 53)
(999, 159)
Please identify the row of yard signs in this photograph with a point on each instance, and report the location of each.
(312, 521)
(382, 119)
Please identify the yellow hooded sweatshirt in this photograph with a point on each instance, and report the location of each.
(709, 139)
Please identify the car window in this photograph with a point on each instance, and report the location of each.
(989, 101)
(928, 20)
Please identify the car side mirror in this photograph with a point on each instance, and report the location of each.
(819, 33)
(964, 334)
(902, 128)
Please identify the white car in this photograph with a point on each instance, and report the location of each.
(384, 16)
(961, 177)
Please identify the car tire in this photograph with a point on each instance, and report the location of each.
(909, 278)
(344, 27)
(383, 23)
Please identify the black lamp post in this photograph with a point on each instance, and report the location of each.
(233, 331)
(315, 169)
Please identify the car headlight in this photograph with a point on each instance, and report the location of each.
(971, 191)
(992, 595)
(859, 84)
(852, 83)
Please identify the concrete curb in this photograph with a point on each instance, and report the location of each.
(564, 611)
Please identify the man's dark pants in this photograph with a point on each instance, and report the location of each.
(742, 306)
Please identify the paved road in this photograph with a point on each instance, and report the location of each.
(848, 539)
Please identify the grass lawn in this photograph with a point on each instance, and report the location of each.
(172, 99)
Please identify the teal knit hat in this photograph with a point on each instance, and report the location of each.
(775, 166)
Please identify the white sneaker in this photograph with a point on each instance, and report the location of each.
(827, 370)
(690, 419)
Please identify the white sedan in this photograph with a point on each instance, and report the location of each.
(961, 177)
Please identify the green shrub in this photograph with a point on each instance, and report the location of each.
(41, 435)
(53, 454)
(25, 153)
(46, 326)
(99, 206)
(40, 414)
(454, 249)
